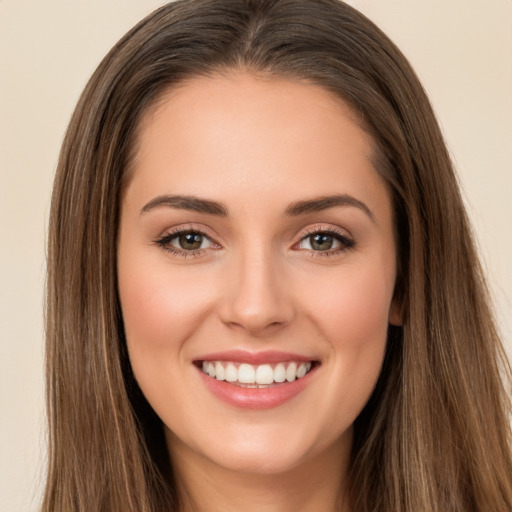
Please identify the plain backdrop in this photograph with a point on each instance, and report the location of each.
(461, 49)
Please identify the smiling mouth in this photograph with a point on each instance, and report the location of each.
(256, 376)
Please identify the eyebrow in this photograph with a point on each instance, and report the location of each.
(196, 204)
(325, 202)
(190, 203)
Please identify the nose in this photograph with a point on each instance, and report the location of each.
(257, 299)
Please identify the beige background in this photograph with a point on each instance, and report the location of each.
(462, 50)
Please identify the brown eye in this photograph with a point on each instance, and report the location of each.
(321, 241)
(326, 242)
(190, 241)
(186, 242)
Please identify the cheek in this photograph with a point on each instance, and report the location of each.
(352, 316)
(354, 310)
(161, 311)
(161, 308)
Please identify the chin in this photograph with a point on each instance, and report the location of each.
(267, 450)
(260, 460)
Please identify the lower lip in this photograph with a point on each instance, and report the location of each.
(256, 398)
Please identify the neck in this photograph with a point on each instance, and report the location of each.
(316, 484)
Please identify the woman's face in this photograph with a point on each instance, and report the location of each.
(256, 266)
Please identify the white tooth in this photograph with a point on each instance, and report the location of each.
(308, 366)
(264, 374)
(220, 373)
(301, 370)
(280, 373)
(205, 367)
(246, 374)
(291, 372)
(211, 370)
(231, 373)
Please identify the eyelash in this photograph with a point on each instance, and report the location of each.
(165, 242)
(347, 243)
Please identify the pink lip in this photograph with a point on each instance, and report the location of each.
(243, 356)
(255, 398)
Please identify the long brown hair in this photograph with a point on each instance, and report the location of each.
(435, 435)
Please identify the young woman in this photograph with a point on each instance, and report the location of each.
(263, 293)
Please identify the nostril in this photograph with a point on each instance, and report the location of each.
(257, 300)
(255, 326)
(256, 318)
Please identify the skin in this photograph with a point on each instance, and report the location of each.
(256, 146)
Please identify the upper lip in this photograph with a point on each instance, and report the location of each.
(255, 358)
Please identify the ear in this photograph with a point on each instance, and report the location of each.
(395, 313)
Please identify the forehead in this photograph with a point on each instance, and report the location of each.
(254, 135)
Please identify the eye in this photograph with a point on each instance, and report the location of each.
(190, 241)
(325, 241)
(185, 242)
(319, 242)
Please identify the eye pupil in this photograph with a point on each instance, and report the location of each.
(190, 241)
(321, 242)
